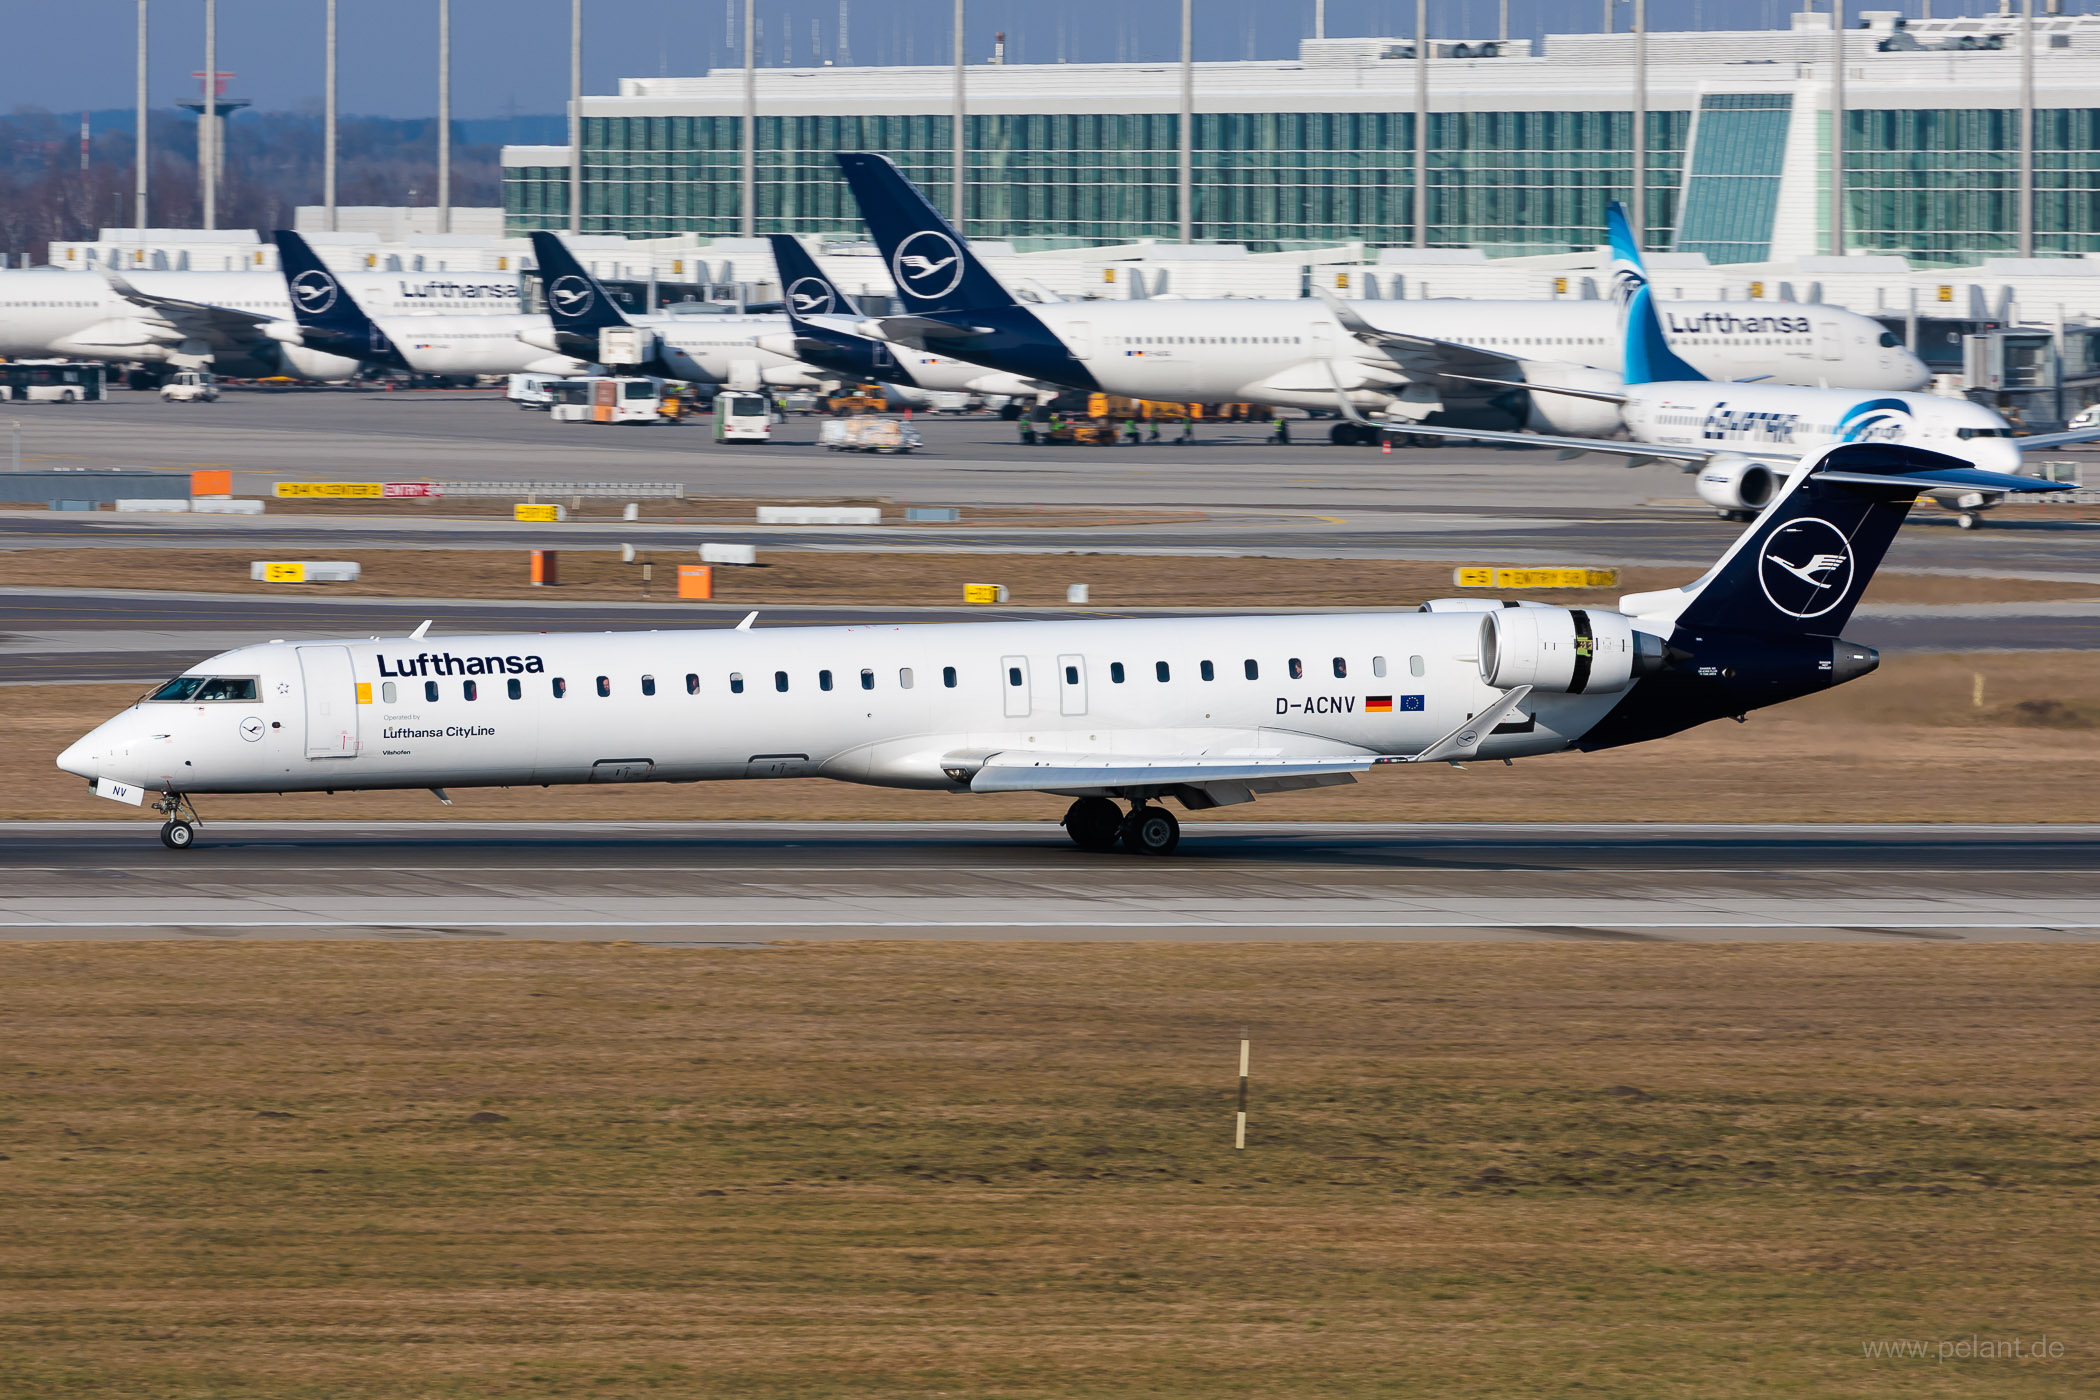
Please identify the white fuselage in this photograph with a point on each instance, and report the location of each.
(44, 312)
(1293, 352)
(1787, 420)
(735, 704)
(717, 349)
(453, 344)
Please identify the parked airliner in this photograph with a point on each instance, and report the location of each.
(330, 318)
(1207, 711)
(1463, 362)
(1739, 436)
(238, 323)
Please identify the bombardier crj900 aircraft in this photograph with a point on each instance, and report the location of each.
(1739, 438)
(1466, 363)
(1208, 712)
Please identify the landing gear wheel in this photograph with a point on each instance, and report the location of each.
(1968, 520)
(1345, 435)
(1151, 831)
(178, 835)
(1094, 824)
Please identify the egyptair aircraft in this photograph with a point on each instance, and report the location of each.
(1206, 711)
(1740, 437)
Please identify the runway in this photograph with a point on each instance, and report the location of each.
(702, 884)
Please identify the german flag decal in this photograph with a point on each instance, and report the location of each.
(1378, 704)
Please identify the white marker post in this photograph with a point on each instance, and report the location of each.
(1239, 1131)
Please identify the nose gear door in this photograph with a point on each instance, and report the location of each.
(331, 702)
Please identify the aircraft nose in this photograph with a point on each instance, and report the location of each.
(83, 757)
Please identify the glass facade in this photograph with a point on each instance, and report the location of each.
(1732, 189)
(1942, 185)
(1515, 182)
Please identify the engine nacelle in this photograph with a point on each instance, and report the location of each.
(318, 365)
(1565, 414)
(1730, 483)
(1574, 651)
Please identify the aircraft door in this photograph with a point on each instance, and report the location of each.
(331, 702)
(1013, 679)
(1079, 339)
(1322, 340)
(1829, 343)
(1071, 685)
(880, 357)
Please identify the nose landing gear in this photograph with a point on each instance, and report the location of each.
(1096, 824)
(178, 832)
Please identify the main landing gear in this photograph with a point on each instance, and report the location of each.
(178, 832)
(1346, 434)
(1097, 824)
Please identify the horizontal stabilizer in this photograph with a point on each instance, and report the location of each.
(1964, 478)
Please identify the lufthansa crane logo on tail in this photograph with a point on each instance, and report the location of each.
(315, 291)
(571, 295)
(810, 297)
(928, 264)
(1806, 568)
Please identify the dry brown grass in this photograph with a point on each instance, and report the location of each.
(1906, 744)
(800, 576)
(453, 1170)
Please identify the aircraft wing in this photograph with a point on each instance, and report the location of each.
(1423, 357)
(1021, 770)
(221, 327)
(2056, 439)
(1575, 446)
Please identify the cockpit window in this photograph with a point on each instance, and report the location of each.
(1889, 341)
(1966, 433)
(201, 688)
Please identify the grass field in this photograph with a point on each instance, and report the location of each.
(2004, 736)
(463, 1170)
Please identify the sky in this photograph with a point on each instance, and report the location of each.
(511, 56)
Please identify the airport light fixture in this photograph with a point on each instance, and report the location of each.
(328, 134)
(138, 145)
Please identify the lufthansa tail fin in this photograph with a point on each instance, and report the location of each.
(329, 317)
(1801, 568)
(804, 289)
(577, 302)
(1649, 357)
(930, 262)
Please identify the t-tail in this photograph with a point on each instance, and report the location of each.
(329, 318)
(577, 302)
(1649, 358)
(1762, 625)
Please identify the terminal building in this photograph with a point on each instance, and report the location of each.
(1524, 147)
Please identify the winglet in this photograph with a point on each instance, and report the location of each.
(421, 632)
(745, 625)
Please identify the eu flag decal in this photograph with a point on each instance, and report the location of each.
(1412, 703)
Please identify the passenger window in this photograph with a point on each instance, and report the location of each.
(904, 678)
(1210, 672)
(471, 690)
(1159, 669)
(1297, 669)
(430, 691)
(867, 677)
(780, 681)
(1414, 665)
(948, 677)
(1071, 675)
(692, 682)
(1253, 671)
(516, 688)
(1013, 675)
(1378, 666)
(561, 687)
(1341, 669)
(386, 691)
(604, 687)
(648, 685)
(823, 680)
(1115, 672)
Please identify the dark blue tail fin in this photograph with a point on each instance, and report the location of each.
(329, 317)
(930, 262)
(577, 303)
(804, 289)
(1802, 566)
(1649, 358)
(804, 292)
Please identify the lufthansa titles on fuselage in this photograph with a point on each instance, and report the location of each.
(444, 663)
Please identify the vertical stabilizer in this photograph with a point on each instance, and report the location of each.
(1649, 358)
